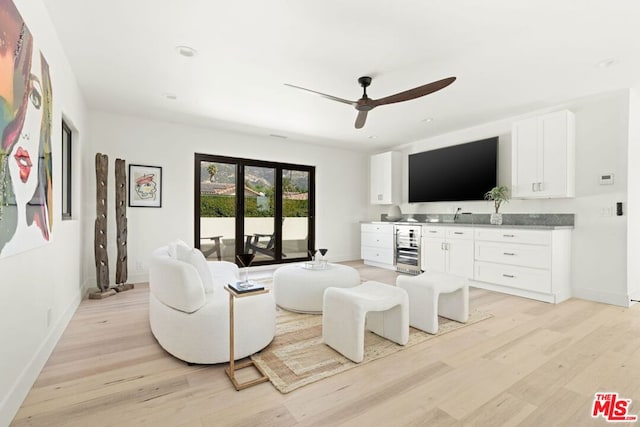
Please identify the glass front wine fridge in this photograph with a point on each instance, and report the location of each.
(408, 248)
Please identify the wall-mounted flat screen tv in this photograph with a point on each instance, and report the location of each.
(455, 173)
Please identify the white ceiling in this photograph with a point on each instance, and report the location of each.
(509, 56)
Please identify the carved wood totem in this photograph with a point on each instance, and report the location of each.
(100, 231)
(121, 221)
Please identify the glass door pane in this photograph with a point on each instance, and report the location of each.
(259, 212)
(218, 210)
(295, 213)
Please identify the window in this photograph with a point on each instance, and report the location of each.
(67, 195)
(253, 206)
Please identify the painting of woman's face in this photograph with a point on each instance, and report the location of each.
(23, 158)
(26, 185)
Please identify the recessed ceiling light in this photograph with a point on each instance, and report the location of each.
(171, 96)
(428, 120)
(606, 63)
(187, 51)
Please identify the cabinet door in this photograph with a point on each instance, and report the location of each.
(380, 180)
(460, 257)
(555, 131)
(433, 255)
(525, 154)
(543, 156)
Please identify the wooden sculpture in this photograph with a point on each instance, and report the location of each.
(121, 227)
(100, 230)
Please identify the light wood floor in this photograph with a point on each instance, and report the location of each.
(532, 364)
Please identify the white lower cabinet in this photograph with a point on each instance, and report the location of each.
(377, 245)
(529, 263)
(448, 250)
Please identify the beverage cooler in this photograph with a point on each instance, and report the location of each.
(407, 251)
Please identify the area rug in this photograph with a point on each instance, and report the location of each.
(297, 356)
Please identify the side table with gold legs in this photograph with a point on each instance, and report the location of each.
(233, 367)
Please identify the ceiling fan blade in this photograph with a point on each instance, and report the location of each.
(414, 93)
(333, 98)
(361, 119)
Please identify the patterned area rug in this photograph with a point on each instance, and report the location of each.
(297, 356)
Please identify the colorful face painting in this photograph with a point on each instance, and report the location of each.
(25, 126)
(146, 187)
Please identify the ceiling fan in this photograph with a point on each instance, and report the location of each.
(366, 104)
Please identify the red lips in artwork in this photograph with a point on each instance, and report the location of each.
(24, 163)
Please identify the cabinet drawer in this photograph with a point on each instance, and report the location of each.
(514, 235)
(381, 255)
(377, 228)
(429, 232)
(377, 240)
(536, 256)
(530, 279)
(465, 233)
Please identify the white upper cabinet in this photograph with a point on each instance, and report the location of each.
(543, 156)
(384, 176)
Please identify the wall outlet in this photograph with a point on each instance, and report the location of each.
(139, 266)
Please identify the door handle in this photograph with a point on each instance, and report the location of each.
(509, 253)
(510, 276)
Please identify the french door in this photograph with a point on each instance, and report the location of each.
(253, 206)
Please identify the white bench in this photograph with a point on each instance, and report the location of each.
(384, 307)
(432, 294)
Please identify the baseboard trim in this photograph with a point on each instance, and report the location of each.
(621, 300)
(11, 403)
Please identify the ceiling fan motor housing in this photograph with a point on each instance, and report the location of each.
(364, 102)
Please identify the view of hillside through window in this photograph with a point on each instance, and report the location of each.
(218, 192)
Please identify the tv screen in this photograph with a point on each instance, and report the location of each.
(456, 173)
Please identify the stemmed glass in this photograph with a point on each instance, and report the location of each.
(245, 260)
(323, 252)
(312, 254)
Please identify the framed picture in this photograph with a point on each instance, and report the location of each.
(145, 186)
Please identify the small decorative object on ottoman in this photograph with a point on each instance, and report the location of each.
(384, 307)
(433, 293)
(301, 289)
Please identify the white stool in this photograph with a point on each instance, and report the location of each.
(385, 308)
(298, 289)
(426, 301)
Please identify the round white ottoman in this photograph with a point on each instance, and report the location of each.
(296, 288)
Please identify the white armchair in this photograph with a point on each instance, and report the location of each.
(189, 316)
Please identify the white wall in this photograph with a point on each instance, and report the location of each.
(633, 198)
(599, 258)
(341, 196)
(46, 279)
